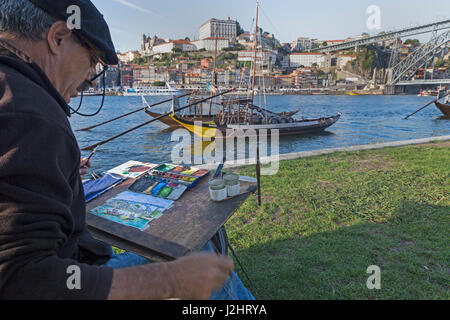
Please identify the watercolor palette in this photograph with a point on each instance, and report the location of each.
(159, 187)
(168, 181)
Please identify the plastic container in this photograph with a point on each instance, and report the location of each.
(233, 185)
(217, 190)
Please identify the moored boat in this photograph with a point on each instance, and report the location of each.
(209, 130)
(151, 91)
(445, 109)
(239, 115)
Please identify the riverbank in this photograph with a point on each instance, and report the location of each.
(325, 219)
(283, 92)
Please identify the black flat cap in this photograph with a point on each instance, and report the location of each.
(94, 28)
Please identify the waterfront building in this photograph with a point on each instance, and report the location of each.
(242, 77)
(112, 78)
(343, 59)
(244, 37)
(283, 81)
(219, 28)
(266, 57)
(307, 59)
(148, 42)
(167, 47)
(192, 78)
(301, 44)
(209, 44)
(147, 75)
(206, 76)
(264, 82)
(206, 63)
(305, 78)
(285, 62)
(126, 75)
(128, 56)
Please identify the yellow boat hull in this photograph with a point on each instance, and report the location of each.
(201, 131)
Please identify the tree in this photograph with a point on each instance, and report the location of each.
(176, 50)
(314, 65)
(140, 60)
(239, 29)
(367, 58)
(159, 83)
(324, 44)
(414, 42)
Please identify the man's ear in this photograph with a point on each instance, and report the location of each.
(57, 35)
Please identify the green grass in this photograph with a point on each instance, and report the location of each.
(325, 219)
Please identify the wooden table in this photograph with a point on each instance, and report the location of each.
(186, 227)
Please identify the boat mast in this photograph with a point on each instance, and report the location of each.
(213, 80)
(254, 62)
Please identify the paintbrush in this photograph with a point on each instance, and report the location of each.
(89, 158)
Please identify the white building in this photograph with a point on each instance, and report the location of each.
(301, 44)
(219, 28)
(307, 59)
(343, 59)
(265, 57)
(128, 56)
(209, 44)
(184, 45)
(333, 42)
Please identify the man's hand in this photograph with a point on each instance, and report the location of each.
(192, 277)
(85, 164)
(196, 276)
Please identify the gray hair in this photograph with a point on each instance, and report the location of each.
(23, 19)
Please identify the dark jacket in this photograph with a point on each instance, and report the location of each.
(42, 207)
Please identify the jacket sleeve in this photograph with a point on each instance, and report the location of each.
(37, 161)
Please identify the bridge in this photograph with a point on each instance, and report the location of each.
(401, 72)
(384, 36)
(421, 57)
(423, 82)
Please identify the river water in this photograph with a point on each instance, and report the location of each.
(365, 120)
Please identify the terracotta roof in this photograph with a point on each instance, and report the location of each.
(181, 41)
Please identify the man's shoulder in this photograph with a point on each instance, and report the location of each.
(21, 94)
(20, 91)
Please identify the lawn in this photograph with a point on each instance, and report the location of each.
(325, 219)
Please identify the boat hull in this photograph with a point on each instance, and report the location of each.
(298, 127)
(167, 120)
(445, 109)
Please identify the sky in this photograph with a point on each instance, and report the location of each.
(287, 19)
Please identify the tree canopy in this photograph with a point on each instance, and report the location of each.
(414, 42)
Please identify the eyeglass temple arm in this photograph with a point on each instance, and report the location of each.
(105, 68)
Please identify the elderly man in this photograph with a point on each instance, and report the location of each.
(44, 62)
